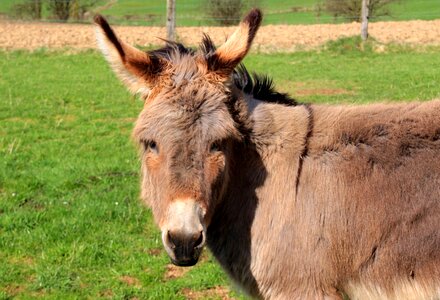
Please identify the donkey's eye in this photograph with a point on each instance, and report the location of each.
(215, 147)
(151, 146)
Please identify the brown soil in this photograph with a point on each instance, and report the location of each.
(155, 251)
(218, 292)
(129, 280)
(19, 35)
(173, 271)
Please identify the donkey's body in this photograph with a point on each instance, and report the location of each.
(346, 198)
(295, 201)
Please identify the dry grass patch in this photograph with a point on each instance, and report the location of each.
(308, 92)
(106, 294)
(13, 290)
(20, 120)
(25, 260)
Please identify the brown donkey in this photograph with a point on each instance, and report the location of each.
(295, 201)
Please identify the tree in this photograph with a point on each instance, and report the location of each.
(60, 9)
(351, 9)
(70, 9)
(224, 12)
(27, 9)
(79, 8)
(228, 12)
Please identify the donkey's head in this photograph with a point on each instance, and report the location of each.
(185, 130)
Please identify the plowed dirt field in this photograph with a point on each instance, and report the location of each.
(31, 36)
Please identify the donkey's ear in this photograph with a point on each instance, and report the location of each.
(137, 69)
(231, 53)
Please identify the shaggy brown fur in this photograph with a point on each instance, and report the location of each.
(295, 201)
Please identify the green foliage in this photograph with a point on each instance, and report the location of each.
(71, 225)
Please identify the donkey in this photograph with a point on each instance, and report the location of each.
(295, 201)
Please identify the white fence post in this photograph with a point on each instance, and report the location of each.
(171, 20)
(365, 16)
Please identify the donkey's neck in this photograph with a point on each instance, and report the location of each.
(279, 131)
(264, 174)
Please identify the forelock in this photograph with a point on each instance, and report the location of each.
(202, 110)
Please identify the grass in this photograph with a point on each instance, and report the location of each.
(345, 73)
(71, 225)
(70, 221)
(190, 12)
(413, 10)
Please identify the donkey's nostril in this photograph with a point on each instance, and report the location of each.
(184, 240)
(199, 241)
(172, 242)
(184, 248)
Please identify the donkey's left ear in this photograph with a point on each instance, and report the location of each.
(231, 53)
(137, 69)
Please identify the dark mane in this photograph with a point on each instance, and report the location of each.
(261, 87)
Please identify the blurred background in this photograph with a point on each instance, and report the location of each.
(217, 12)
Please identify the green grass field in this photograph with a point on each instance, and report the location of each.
(71, 225)
(191, 12)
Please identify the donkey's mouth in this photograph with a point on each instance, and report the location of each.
(184, 257)
(185, 263)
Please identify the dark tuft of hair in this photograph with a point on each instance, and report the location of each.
(208, 49)
(170, 48)
(253, 18)
(207, 45)
(261, 87)
(108, 31)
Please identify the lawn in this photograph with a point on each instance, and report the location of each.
(71, 225)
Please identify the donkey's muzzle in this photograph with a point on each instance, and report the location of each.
(183, 232)
(186, 247)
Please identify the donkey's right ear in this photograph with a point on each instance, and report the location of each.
(137, 69)
(231, 53)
